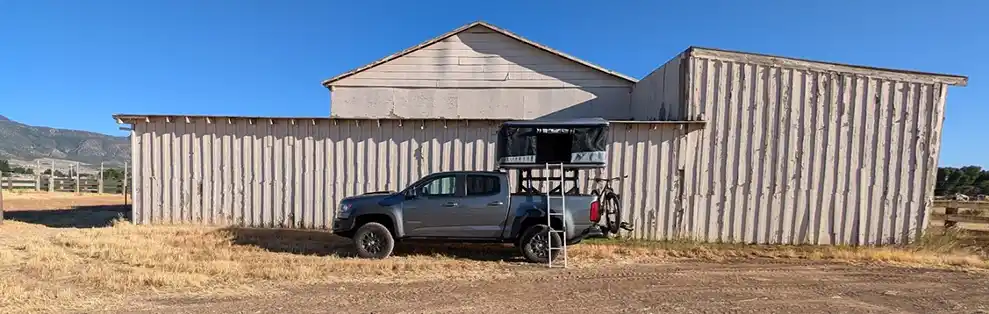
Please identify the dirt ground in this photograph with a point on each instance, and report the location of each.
(680, 287)
(60, 209)
(53, 228)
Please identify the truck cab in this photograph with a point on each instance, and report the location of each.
(463, 206)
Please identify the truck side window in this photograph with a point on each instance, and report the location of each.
(442, 186)
(481, 185)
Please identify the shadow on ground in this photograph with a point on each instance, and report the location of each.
(323, 243)
(77, 217)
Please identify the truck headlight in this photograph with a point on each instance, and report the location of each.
(344, 211)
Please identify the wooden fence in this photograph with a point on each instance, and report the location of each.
(961, 214)
(82, 185)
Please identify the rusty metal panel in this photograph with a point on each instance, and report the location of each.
(794, 153)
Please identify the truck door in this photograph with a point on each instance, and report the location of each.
(484, 206)
(427, 212)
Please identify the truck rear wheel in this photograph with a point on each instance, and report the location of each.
(373, 240)
(535, 243)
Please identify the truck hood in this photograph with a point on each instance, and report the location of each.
(368, 199)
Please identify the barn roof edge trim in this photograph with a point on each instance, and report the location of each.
(123, 118)
(951, 79)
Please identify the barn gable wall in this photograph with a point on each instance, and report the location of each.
(480, 74)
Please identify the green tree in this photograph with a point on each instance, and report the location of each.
(968, 180)
(113, 174)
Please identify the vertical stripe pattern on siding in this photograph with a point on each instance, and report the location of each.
(795, 155)
(291, 173)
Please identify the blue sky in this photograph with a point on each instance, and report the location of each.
(71, 64)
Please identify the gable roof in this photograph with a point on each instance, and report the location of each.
(330, 81)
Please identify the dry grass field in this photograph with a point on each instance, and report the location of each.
(65, 253)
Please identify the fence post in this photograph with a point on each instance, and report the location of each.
(51, 178)
(948, 211)
(1, 202)
(100, 183)
(125, 183)
(77, 178)
(37, 175)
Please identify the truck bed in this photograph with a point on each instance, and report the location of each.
(578, 210)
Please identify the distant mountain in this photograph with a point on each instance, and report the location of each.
(22, 144)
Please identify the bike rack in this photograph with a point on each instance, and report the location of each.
(526, 180)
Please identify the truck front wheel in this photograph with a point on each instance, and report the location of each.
(535, 243)
(373, 240)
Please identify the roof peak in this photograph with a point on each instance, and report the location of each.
(462, 28)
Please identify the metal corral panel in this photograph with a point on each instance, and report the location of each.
(803, 152)
(262, 172)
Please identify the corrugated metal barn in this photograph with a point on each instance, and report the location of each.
(719, 145)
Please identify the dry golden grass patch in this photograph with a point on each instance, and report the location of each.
(956, 248)
(47, 269)
(85, 268)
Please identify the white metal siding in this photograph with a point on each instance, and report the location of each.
(658, 96)
(480, 74)
(481, 103)
(273, 173)
(798, 154)
(481, 58)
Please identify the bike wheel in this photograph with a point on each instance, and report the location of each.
(611, 203)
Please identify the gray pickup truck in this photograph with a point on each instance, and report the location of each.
(463, 206)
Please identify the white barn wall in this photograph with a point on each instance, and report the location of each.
(800, 152)
(480, 74)
(260, 172)
(480, 103)
(659, 96)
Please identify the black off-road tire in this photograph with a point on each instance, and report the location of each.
(612, 221)
(373, 240)
(534, 245)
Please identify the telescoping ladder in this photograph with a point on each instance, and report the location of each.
(562, 214)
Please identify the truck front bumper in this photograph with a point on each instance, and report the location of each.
(343, 226)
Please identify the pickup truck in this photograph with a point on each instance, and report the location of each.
(464, 206)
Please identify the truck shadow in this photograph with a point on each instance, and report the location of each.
(322, 243)
(76, 217)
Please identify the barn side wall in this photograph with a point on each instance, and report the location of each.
(803, 153)
(659, 95)
(291, 173)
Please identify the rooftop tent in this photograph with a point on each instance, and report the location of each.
(576, 143)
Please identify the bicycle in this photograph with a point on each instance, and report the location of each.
(611, 206)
